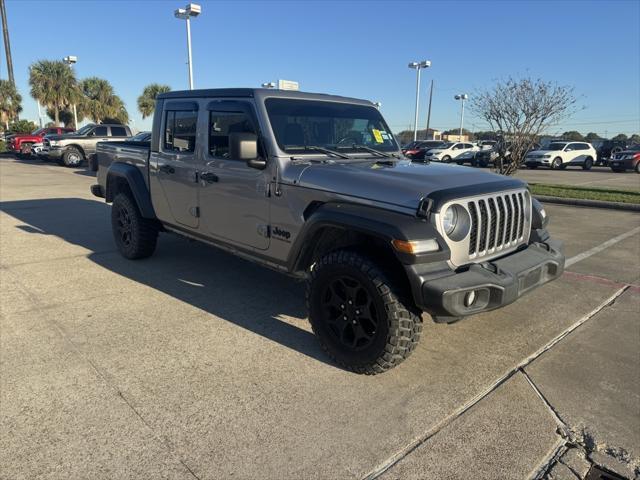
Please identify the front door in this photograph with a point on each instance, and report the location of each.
(175, 164)
(234, 204)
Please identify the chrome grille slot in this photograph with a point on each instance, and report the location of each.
(498, 224)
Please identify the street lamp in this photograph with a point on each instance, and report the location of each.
(71, 60)
(269, 85)
(418, 66)
(462, 97)
(191, 10)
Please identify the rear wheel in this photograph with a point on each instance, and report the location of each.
(588, 163)
(557, 163)
(135, 236)
(358, 315)
(72, 157)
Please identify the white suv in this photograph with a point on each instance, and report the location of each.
(449, 151)
(563, 154)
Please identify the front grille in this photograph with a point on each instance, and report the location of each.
(497, 223)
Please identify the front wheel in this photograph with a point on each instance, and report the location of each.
(588, 163)
(557, 163)
(72, 157)
(358, 315)
(446, 159)
(135, 236)
(25, 151)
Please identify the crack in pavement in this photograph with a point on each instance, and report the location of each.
(171, 449)
(410, 447)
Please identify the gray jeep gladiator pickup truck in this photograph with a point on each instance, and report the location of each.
(316, 186)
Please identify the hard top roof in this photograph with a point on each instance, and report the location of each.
(259, 93)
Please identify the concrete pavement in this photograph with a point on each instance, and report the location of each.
(178, 366)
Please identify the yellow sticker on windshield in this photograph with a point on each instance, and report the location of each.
(377, 136)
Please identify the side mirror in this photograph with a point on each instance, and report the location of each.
(244, 146)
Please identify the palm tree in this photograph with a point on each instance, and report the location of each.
(99, 102)
(147, 101)
(10, 101)
(54, 84)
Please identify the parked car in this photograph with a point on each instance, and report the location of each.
(449, 151)
(73, 149)
(419, 149)
(608, 148)
(626, 160)
(21, 143)
(562, 155)
(109, 149)
(486, 144)
(316, 187)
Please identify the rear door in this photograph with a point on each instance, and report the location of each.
(175, 164)
(234, 199)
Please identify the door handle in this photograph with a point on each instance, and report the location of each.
(167, 169)
(209, 177)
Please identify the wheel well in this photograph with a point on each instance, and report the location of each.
(78, 147)
(329, 239)
(115, 185)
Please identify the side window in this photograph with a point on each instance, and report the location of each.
(100, 132)
(180, 130)
(118, 132)
(52, 130)
(221, 124)
(468, 145)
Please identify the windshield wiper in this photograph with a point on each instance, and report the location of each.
(316, 148)
(374, 151)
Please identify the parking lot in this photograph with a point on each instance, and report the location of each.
(597, 177)
(197, 364)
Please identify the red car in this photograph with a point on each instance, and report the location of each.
(21, 143)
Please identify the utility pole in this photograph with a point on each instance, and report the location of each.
(7, 44)
(417, 66)
(429, 114)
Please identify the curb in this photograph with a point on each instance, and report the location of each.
(582, 202)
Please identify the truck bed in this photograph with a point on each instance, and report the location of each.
(132, 153)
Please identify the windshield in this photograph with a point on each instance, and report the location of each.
(338, 126)
(446, 145)
(86, 129)
(411, 146)
(141, 137)
(38, 132)
(556, 146)
(432, 144)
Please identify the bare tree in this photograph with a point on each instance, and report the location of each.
(519, 110)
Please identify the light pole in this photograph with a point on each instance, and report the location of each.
(71, 60)
(191, 10)
(462, 97)
(418, 66)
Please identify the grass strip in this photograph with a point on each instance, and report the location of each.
(585, 193)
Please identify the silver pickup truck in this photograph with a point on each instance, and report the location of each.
(315, 186)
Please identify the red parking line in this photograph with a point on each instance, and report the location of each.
(601, 280)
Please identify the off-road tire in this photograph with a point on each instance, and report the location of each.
(588, 163)
(135, 236)
(72, 157)
(556, 164)
(399, 322)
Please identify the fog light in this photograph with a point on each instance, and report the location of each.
(469, 298)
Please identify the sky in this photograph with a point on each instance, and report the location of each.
(352, 48)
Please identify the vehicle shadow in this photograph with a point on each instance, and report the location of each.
(235, 290)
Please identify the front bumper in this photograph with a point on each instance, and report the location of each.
(494, 284)
(51, 152)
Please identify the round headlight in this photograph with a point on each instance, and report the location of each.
(449, 220)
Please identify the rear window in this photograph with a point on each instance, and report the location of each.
(100, 132)
(118, 132)
(180, 130)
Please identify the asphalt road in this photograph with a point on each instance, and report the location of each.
(196, 364)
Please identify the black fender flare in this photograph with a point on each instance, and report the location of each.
(377, 222)
(137, 185)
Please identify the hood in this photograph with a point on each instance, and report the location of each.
(404, 183)
(64, 136)
(541, 152)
